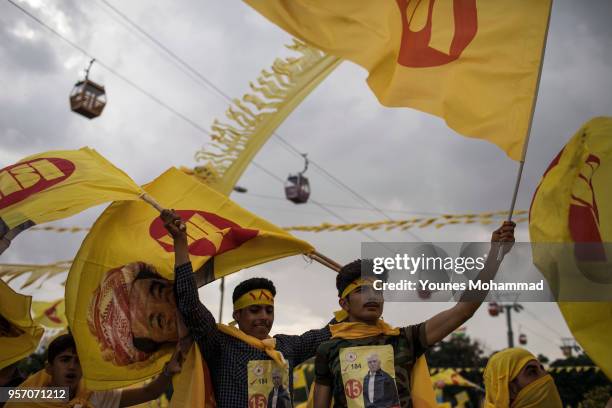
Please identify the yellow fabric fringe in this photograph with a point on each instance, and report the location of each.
(255, 117)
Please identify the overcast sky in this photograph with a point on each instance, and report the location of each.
(404, 161)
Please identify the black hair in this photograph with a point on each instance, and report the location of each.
(354, 270)
(251, 284)
(146, 344)
(147, 272)
(59, 345)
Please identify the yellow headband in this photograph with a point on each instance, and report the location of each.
(354, 285)
(254, 297)
(341, 315)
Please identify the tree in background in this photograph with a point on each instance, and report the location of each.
(575, 386)
(458, 351)
(33, 363)
(597, 397)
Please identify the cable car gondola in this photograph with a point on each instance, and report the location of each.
(523, 339)
(494, 309)
(87, 97)
(297, 187)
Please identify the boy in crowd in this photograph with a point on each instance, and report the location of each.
(64, 370)
(241, 360)
(340, 362)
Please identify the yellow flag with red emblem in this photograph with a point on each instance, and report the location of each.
(19, 335)
(50, 314)
(119, 293)
(57, 184)
(571, 228)
(474, 63)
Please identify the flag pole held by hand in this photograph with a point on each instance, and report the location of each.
(500, 253)
(150, 200)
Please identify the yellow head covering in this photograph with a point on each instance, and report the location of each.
(505, 366)
(254, 297)
(341, 314)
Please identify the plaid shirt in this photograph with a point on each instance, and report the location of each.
(226, 356)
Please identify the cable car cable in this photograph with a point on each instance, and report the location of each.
(167, 50)
(113, 71)
(161, 103)
(268, 172)
(542, 322)
(269, 197)
(288, 146)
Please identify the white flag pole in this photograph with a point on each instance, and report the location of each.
(519, 174)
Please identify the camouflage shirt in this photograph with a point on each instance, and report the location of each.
(408, 346)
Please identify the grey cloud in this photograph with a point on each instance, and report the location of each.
(395, 157)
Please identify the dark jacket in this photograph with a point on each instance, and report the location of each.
(283, 400)
(385, 392)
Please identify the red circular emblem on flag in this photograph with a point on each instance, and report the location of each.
(415, 48)
(19, 181)
(208, 234)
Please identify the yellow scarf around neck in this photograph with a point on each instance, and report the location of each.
(267, 345)
(359, 330)
(42, 379)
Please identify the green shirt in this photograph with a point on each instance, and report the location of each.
(408, 346)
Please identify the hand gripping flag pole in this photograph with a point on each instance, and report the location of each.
(315, 256)
(519, 175)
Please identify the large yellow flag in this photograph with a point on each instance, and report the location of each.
(19, 335)
(53, 185)
(474, 63)
(119, 287)
(573, 204)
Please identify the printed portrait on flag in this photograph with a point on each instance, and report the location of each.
(268, 384)
(132, 313)
(119, 293)
(368, 375)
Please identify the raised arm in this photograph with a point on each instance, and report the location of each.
(444, 323)
(198, 319)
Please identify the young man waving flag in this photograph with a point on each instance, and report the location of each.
(243, 360)
(369, 364)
